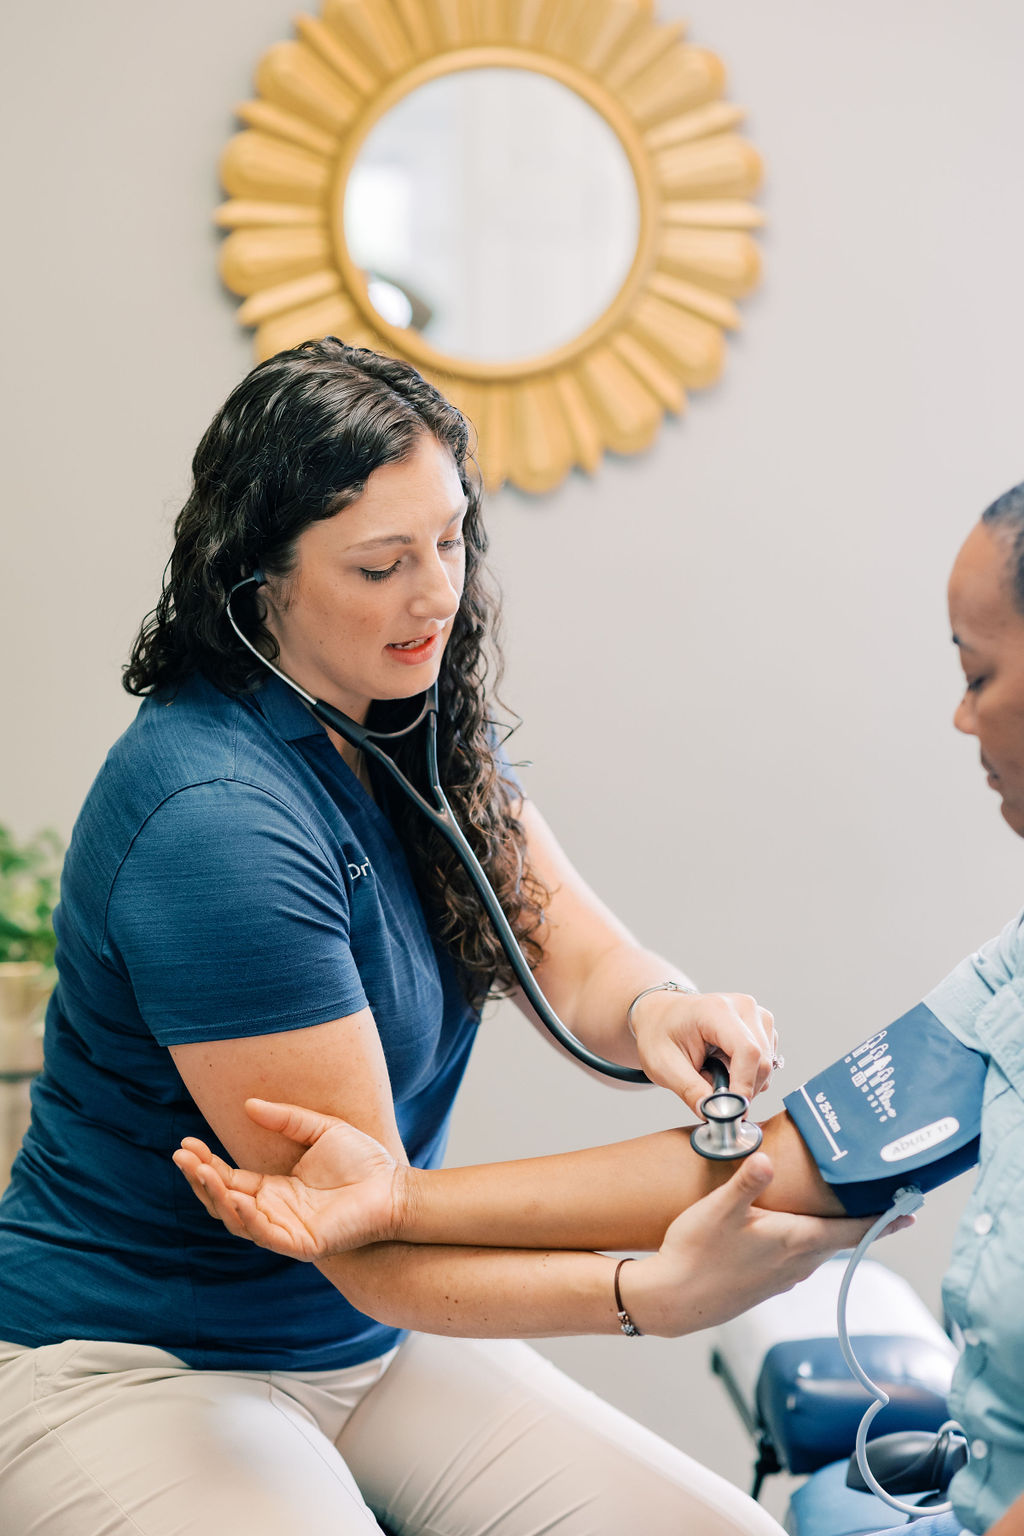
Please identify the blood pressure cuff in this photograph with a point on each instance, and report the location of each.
(902, 1109)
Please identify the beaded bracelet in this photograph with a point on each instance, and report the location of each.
(626, 1323)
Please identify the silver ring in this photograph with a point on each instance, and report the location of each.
(777, 1062)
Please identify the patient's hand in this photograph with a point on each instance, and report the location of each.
(346, 1191)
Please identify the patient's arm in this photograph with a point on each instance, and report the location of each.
(618, 1196)
(613, 1197)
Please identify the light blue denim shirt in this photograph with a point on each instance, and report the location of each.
(982, 1003)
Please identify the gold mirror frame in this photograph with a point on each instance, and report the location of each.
(321, 94)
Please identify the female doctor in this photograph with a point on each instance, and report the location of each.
(247, 911)
(342, 1177)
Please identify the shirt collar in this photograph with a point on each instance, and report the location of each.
(285, 711)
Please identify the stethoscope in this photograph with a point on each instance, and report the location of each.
(725, 1133)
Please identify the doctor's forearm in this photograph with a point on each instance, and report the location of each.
(478, 1293)
(593, 1002)
(619, 1196)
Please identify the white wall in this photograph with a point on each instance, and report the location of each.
(731, 653)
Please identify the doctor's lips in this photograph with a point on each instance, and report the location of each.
(993, 777)
(420, 648)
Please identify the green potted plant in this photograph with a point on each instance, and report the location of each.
(29, 886)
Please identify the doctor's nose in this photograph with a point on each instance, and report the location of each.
(436, 595)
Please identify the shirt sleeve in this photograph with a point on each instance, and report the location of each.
(231, 919)
(966, 992)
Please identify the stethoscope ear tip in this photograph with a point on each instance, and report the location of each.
(257, 579)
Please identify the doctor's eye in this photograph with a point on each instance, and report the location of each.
(975, 684)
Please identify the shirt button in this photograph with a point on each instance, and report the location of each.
(979, 1448)
(983, 1223)
(971, 1336)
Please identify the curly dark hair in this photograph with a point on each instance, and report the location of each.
(295, 443)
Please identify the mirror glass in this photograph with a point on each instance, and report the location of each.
(495, 212)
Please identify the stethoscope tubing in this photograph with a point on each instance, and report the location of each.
(441, 816)
(720, 1138)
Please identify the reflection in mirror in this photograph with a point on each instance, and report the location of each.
(495, 212)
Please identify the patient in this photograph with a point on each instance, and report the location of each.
(347, 1190)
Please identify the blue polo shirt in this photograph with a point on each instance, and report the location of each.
(228, 876)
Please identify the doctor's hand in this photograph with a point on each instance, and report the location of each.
(724, 1255)
(345, 1192)
(675, 1032)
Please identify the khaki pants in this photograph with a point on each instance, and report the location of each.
(444, 1437)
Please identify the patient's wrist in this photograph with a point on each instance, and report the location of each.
(405, 1204)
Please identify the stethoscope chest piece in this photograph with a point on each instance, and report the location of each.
(726, 1133)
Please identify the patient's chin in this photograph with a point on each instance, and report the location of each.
(1013, 815)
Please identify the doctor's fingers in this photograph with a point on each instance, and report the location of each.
(671, 1065)
(771, 1036)
(744, 1033)
(674, 1048)
(761, 1023)
(828, 1235)
(781, 1249)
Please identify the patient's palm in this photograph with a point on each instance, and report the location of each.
(339, 1195)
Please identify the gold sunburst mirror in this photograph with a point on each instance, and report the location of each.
(542, 204)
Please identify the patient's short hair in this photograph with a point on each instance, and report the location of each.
(1007, 512)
